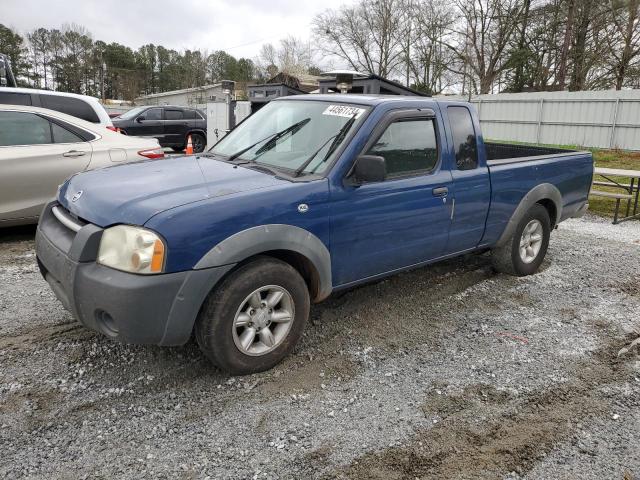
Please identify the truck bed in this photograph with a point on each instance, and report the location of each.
(498, 153)
(516, 169)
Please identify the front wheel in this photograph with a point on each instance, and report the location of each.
(524, 252)
(254, 318)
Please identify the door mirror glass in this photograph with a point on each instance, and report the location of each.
(368, 169)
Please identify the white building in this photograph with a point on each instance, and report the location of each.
(187, 97)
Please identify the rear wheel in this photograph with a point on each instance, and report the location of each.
(254, 318)
(199, 142)
(524, 252)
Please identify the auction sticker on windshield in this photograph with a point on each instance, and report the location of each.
(343, 111)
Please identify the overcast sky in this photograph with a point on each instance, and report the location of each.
(237, 26)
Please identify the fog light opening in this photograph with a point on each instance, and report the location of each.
(106, 323)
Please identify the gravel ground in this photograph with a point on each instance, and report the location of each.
(451, 371)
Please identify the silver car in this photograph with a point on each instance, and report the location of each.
(40, 148)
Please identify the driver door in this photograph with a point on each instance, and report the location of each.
(381, 227)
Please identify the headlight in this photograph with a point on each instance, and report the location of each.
(131, 249)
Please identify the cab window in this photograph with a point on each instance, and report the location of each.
(464, 138)
(409, 147)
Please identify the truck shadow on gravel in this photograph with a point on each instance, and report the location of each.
(387, 316)
(485, 433)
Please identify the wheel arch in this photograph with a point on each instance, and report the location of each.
(199, 131)
(544, 194)
(294, 245)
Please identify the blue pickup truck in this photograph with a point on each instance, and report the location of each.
(308, 196)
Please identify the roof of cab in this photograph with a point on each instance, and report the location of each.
(359, 99)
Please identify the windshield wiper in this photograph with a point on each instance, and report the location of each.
(337, 138)
(273, 139)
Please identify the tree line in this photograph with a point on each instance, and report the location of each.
(485, 46)
(68, 59)
(468, 46)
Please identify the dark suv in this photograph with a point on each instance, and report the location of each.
(170, 125)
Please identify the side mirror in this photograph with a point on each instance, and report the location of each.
(140, 119)
(368, 169)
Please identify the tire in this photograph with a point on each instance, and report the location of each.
(178, 149)
(199, 142)
(228, 314)
(513, 260)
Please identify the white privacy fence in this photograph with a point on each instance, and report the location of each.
(602, 119)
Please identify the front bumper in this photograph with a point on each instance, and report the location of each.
(143, 309)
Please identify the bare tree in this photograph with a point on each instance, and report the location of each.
(364, 35)
(566, 43)
(588, 46)
(486, 29)
(623, 38)
(39, 41)
(426, 57)
(292, 56)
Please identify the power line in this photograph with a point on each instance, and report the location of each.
(250, 43)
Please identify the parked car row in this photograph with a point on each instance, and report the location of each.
(40, 148)
(81, 106)
(168, 124)
(47, 136)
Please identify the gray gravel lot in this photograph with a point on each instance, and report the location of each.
(451, 371)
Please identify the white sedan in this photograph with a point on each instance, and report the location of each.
(40, 148)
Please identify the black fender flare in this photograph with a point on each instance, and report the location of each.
(544, 191)
(264, 238)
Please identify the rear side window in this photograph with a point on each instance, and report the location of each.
(10, 98)
(21, 128)
(173, 115)
(71, 106)
(408, 147)
(464, 138)
(62, 135)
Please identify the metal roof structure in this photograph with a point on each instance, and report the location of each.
(370, 84)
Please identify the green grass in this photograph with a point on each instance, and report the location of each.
(607, 159)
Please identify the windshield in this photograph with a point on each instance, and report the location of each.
(134, 112)
(302, 136)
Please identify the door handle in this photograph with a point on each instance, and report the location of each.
(440, 191)
(73, 153)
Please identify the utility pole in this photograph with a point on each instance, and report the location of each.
(408, 16)
(468, 57)
(102, 67)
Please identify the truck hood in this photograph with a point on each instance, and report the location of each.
(135, 192)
